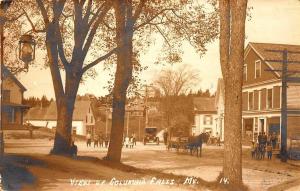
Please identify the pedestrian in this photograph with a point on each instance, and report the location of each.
(253, 150)
(96, 141)
(274, 140)
(269, 151)
(101, 140)
(218, 139)
(73, 150)
(259, 138)
(131, 142)
(127, 141)
(166, 136)
(134, 139)
(88, 139)
(106, 142)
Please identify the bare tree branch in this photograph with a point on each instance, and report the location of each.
(60, 47)
(98, 60)
(43, 11)
(32, 25)
(93, 31)
(152, 18)
(138, 10)
(163, 35)
(88, 12)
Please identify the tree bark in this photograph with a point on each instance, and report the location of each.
(62, 141)
(232, 37)
(65, 99)
(123, 76)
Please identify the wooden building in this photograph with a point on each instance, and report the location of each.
(13, 108)
(262, 91)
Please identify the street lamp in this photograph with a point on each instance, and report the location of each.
(27, 49)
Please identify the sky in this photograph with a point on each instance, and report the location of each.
(272, 21)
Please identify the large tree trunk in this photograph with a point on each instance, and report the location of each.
(123, 77)
(65, 97)
(62, 141)
(232, 37)
(65, 109)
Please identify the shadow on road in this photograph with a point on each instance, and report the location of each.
(14, 173)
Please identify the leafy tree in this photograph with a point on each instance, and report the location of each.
(232, 38)
(71, 33)
(175, 21)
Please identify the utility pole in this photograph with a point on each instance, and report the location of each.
(146, 106)
(139, 128)
(285, 80)
(106, 120)
(283, 150)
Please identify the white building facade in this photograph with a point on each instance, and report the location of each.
(205, 116)
(83, 117)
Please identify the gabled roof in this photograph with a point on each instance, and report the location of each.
(50, 113)
(7, 74)
(204, 104)
(261, 50)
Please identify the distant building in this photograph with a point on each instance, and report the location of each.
(12, 101)
(262, 91)
(83, 117)
(219, 104)
(205, 115)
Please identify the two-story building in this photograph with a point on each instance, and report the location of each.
(12, 101)
(205, 115)
(83, 117)
(262, 91)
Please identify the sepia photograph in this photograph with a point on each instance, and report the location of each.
(150, 95)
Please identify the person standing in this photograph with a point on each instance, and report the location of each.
(134, 139)
(73, 150)
(88, 139)
(101, 140)
(166, 136)
(131, 142)
(96, 141)
(269, 151)
(106, 142)
(127, 141)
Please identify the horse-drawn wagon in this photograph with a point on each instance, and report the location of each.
(181, 140)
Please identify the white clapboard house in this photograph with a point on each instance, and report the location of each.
(83, 117)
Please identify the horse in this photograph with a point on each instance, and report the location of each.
(194, 144)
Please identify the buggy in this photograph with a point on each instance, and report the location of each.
(151, 135)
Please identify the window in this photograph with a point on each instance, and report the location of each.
(257, 69)
(6, 96)
(208, 120)
(91, 119)
(251, 94)
(245, 72)
(11, 115)
(269, 98)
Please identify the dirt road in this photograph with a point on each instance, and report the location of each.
(257, 174)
